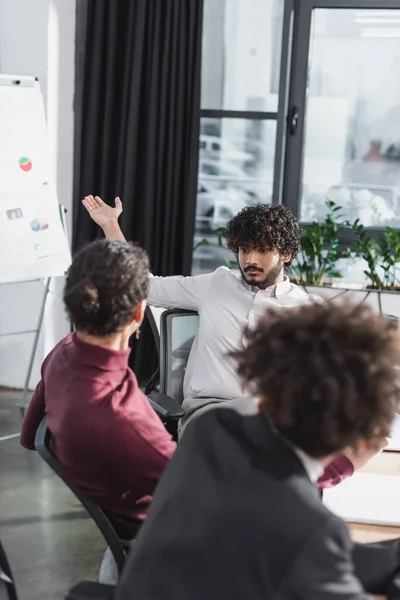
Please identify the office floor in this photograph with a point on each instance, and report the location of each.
(50, 542)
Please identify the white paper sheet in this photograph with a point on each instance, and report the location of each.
(33, 243)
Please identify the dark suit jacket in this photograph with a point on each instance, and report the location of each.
(235, 517)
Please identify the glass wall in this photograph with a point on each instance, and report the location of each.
(239, 99)
(351, 151)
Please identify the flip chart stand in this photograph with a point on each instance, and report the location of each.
(35, 343)
(38, 329)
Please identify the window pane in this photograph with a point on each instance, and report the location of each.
(236, 167)
(352, 141)
(241, 54)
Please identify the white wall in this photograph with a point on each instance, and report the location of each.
(38, 38)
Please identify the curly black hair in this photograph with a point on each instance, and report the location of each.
(266, 226)
(326, 375)
(106, 281)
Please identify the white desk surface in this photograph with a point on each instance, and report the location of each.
(372, 496)
(394, 443)
(366, 498)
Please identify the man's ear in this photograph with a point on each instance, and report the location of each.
(287, 258)
(138, 314)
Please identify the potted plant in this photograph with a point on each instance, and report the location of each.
(317, 262)
(381, 256)
(319, 250)
(230, 259)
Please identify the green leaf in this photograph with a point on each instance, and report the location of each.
(320, 247)
(202, 242)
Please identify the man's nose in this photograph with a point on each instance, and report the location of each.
(252, 258)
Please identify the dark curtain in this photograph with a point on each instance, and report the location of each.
(137, 112)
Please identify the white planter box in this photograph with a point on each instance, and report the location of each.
(381, 301)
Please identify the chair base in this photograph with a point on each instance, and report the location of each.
(90, 590)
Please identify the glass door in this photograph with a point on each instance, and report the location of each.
(345, 97)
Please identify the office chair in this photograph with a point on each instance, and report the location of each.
(44, 447)
(153, 316)
(90, 590)
(178, 329)
(6, 577)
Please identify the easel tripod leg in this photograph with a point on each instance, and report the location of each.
(35, 344)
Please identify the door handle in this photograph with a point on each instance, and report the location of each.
(293, 120)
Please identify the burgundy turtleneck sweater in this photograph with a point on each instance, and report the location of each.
(109, 441)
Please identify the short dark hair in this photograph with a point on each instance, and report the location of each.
(326, 375)
(267, 226)
(106, 281)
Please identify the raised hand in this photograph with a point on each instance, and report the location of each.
(100, 212)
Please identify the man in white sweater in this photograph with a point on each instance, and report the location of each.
(266, 238)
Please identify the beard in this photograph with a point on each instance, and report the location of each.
(270, 278)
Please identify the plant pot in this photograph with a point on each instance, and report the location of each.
(375, 289)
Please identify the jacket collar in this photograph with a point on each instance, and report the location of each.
(274, 450)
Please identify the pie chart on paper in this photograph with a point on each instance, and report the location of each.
(25, 163)
(39, 225)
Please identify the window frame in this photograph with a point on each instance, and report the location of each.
(279, 116)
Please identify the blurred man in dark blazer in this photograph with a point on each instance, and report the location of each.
(237, 514)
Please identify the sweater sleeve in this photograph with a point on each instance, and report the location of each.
(36, 409)
(142, 448)
(336, 472)
(33, 417)
(181, 292)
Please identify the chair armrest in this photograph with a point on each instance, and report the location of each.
(90, 590)
(182, 353)
(165, 406)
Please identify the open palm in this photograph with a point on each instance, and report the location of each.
(101, 212)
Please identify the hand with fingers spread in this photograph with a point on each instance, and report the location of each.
(100, 212)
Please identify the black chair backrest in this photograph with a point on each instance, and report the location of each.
(6, 577)
(90, 590)
(44, 447)
(178, 329)
(153, 318)
(150, 316)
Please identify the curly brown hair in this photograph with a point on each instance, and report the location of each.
(326, 375)
(265, 226)
(106, 281)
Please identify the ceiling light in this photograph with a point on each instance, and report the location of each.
(381, 20)
(381, 32)
(377, 13)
